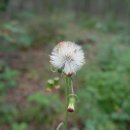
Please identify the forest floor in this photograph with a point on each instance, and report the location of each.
(34, 68)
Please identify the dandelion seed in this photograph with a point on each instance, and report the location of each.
(68, 57)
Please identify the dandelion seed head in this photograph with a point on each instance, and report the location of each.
(67, 56)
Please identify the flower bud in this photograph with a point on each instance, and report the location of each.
(71, 104)
(56, 80)
(56, 83)
(50, 84)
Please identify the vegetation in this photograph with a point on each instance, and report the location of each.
(102, 85)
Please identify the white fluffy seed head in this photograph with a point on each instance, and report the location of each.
(67, 56)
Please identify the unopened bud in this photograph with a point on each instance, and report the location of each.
(50, 83)
(71, 104)
(56, 80)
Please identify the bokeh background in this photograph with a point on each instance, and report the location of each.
(29, 29)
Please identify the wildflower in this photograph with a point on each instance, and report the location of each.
(68, 57)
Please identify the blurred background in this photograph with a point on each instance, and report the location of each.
(29, 29)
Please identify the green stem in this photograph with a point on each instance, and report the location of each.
(67, 90)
